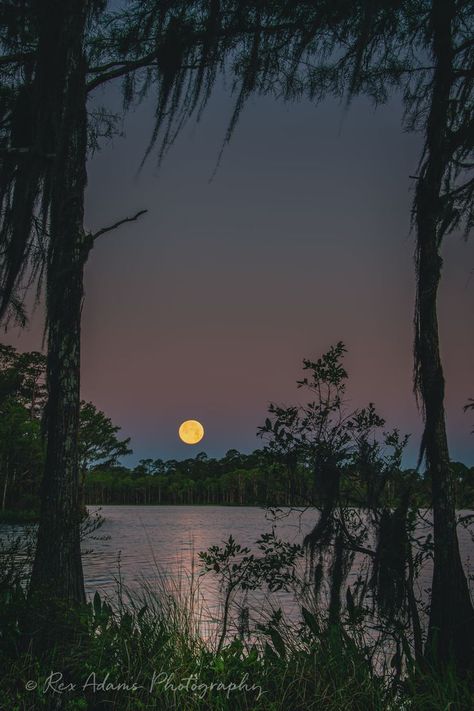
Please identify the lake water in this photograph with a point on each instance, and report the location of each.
(150, 543)
(147, 541)
(158, 546)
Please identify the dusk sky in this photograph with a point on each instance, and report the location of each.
(206, 307)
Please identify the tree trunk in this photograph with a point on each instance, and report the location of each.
(57, 569)
(5, 487)
(451, 625)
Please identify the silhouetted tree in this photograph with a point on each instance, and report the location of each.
(98, 444)
(424, 49)
(349, 450)
(49, 51)
(22, 397)
(443, 201)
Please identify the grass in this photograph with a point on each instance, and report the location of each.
(147, 650)
(154, 648)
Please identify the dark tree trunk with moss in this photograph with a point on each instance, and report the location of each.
(451, 626)
(57, 571)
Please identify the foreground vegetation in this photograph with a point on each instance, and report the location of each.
(170, 669)
(354, 642)
(156, 649)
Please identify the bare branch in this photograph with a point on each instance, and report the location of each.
(117, 224)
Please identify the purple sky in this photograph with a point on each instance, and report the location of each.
(207, 306)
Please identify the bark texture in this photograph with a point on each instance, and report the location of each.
(451, 625)
(57, 571)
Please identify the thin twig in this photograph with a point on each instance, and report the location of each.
(118, 224)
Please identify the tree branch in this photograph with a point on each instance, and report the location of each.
(127, 67)
(117, 224)
(122, 68)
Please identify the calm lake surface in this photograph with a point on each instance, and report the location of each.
(149, 541)
(146, 544)
(158, 546)
(144, 540)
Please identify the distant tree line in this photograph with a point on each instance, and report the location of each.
(271, 476)
(243, 480)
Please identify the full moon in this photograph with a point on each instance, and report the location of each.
(191, 432)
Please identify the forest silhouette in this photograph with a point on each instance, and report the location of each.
(54, 56)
